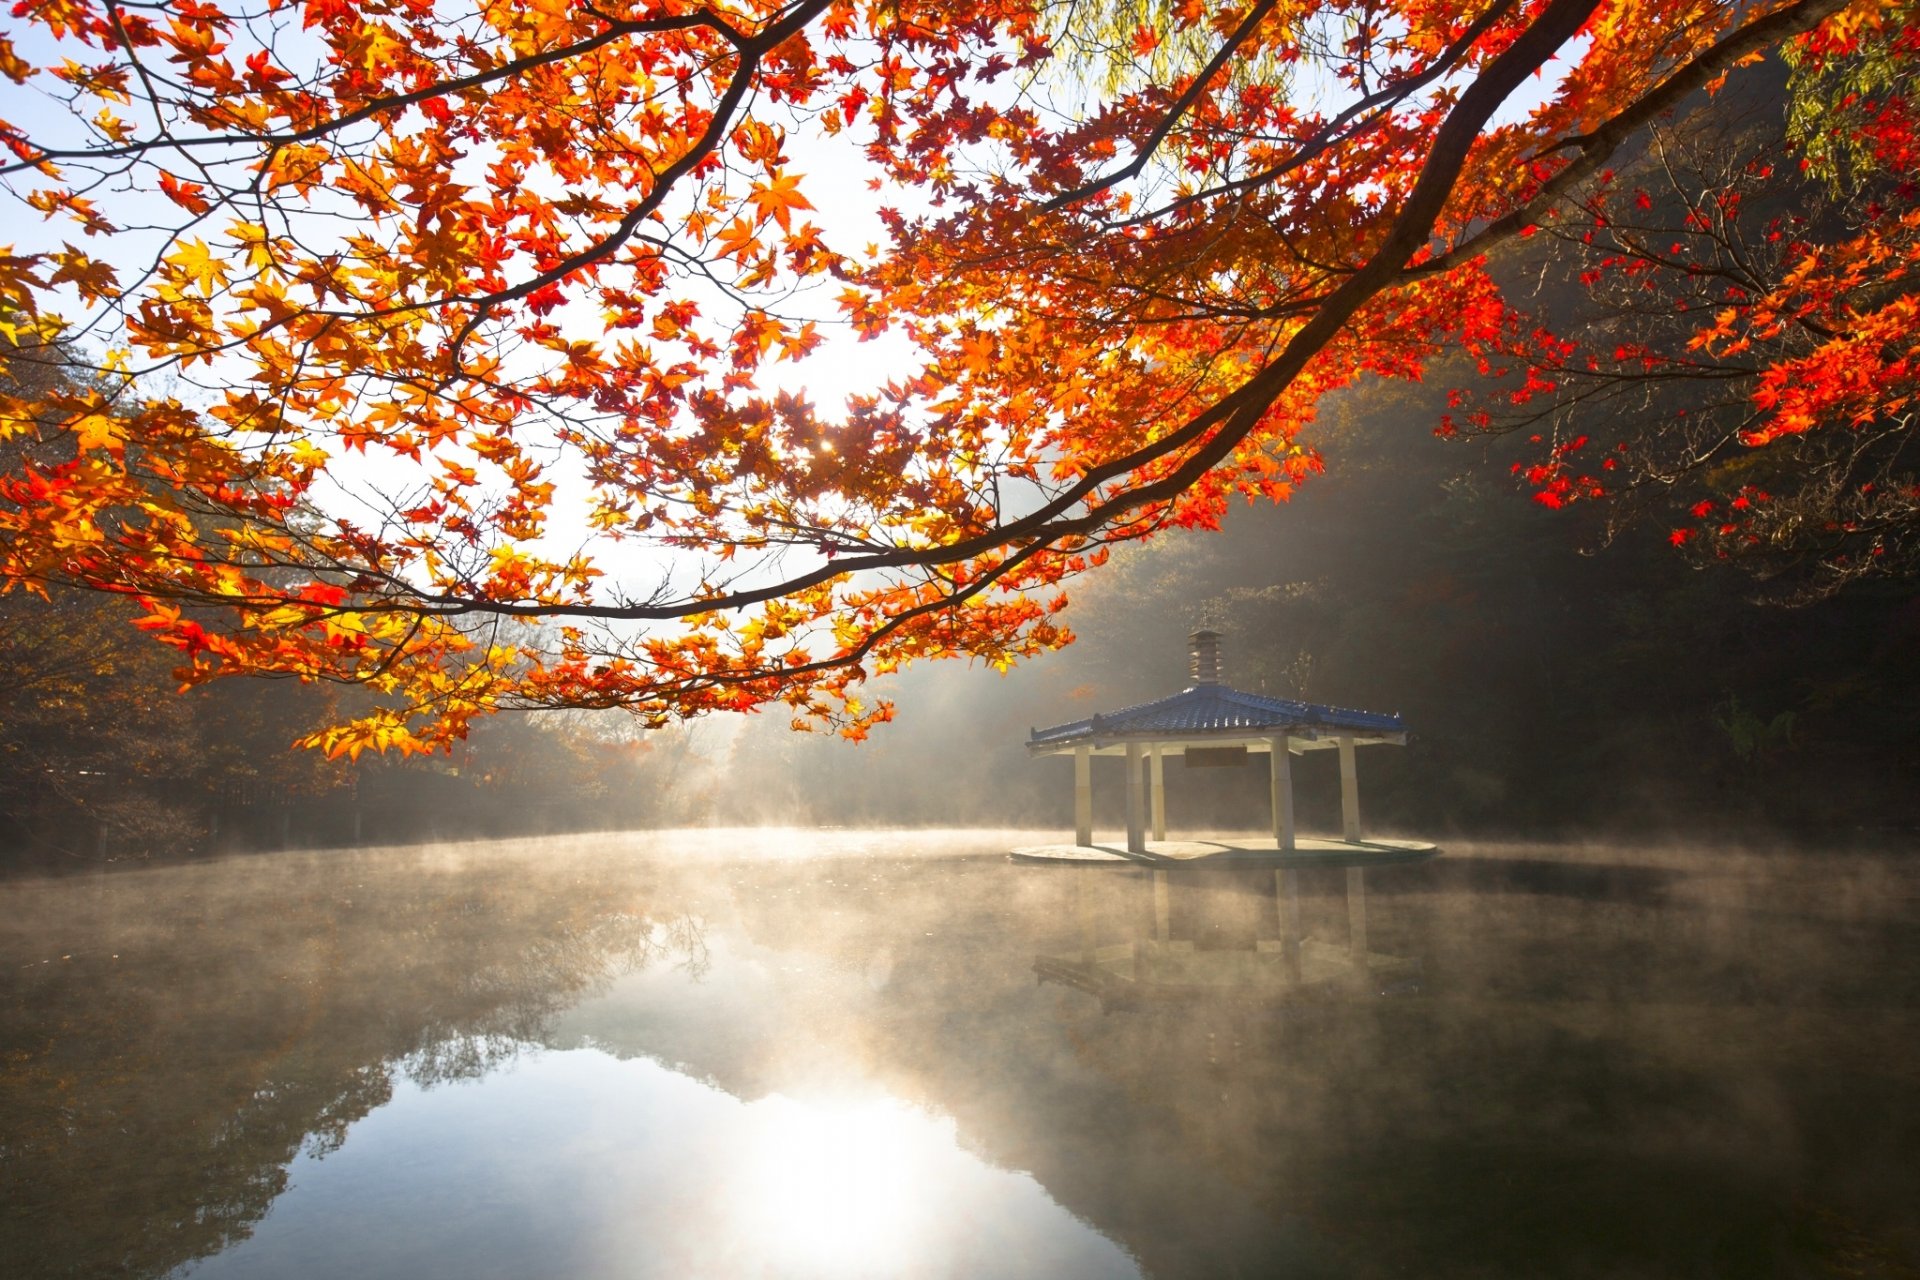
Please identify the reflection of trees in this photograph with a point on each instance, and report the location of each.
(154, 1098)
(1646, 1065)
(1697, 1065)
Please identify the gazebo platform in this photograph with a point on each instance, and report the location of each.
(1239, 851)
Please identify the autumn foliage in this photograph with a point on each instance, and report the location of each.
(464, 353)
(1726, 336)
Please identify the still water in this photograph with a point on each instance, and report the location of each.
(807, 1054)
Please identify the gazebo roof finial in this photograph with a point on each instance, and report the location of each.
(1204, 645)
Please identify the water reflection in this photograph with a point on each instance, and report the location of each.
(175, 1038)
(1239, 937)
(648, 1056)
(575, 1163)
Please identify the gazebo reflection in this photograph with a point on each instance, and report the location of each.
(1185, 934)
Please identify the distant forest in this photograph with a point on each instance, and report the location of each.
(103, 759)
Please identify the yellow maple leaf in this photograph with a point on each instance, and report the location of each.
(197, 265)
(98, 431)
(12, 65)
(256, 240)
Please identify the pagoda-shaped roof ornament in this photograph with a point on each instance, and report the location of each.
(1205, 648)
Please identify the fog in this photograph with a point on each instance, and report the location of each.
(1610, 1060)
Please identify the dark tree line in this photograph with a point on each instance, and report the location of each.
(102, 758)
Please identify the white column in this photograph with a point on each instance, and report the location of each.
(1282, 767)
(1083, 795)
(1349, 793)
(1159, 793)
(1136, 811)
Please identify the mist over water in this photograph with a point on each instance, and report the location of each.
(797, 1053)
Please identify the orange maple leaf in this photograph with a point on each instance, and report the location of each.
(778, 199)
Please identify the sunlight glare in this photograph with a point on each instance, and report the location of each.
(838, 1189)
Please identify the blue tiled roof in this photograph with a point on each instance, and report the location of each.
(1215, 708)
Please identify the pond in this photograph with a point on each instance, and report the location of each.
(846, 1054)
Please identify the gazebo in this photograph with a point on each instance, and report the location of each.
(1210, 723)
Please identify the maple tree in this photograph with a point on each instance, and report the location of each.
(485, 323)
(1727, 339)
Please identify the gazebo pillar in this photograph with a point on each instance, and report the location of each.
(1083, 795)
(1136, 810)
(1157, 766)
(1349, 792)
(1282, 778)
